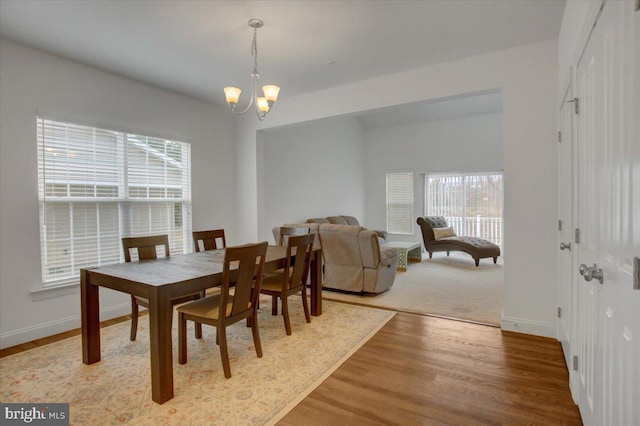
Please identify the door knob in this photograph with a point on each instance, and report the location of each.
(583, 269)
(565, 246)
(597, 273)
(589, 273)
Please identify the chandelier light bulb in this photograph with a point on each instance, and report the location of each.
(271, 92)
(263, 105)
(232, 94)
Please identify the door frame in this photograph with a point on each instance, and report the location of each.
(568, 93)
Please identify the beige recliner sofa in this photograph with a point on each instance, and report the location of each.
(344, 220)
(354, 260)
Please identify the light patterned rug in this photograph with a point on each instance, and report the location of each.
(261, 390)
(448, 286)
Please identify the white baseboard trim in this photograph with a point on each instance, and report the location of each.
(521, 325)
(39, 331)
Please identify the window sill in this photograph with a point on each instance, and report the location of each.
(58, 290)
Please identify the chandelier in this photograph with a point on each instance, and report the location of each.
(263, 104)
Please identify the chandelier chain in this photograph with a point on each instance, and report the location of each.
(254, 51)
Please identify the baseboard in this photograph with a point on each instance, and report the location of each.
(521, 325)
(39, 331)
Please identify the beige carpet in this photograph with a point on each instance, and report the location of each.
(447, 286)
(261, 391)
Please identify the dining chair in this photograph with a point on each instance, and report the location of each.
(209, 239)
(224, 309)
(294, 278)
(287, 231)
(147, 250)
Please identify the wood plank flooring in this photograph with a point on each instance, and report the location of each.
(421, 370)
(426, 370)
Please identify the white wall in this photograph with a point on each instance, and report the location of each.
(469, 144)
(527, 77)
(33, 82)
(322, 157)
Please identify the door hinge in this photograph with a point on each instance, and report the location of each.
(636, 273)
(559, 137)
(575, 363)
(576, 238)
(637, 5)
(559, 225)
(576, 105)
(559, 312)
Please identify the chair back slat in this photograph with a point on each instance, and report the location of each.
(209, 239)
(303, 245)
(286, 232)
(145, 246)
(249, 259)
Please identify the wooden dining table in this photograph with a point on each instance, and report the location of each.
(160, 281)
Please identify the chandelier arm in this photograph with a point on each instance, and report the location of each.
(246, 109)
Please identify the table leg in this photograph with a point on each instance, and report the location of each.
(316, 284)
(160, 318)
(402, 259)
(415, 255)
(90, 319)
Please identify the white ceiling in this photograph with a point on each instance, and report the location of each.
(198, 47)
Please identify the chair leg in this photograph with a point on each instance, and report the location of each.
(224, 353)
(198, 325)
(256, 334)
(430, 255)
(477, 262)
(257, 306)
(182, 339)
(274, 305)
(305, 304)
(447, 253)
(134, 319)
(285, 314)
(495, 260)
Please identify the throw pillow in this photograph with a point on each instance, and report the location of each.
(439, 233)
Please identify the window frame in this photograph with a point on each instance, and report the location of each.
(464, 175)
(122, 200)
(409, 230)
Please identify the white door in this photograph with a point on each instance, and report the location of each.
(619, 222)
(590, 131)
(566, 282)
(608, 168)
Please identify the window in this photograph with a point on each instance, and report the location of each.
(400, 203)
(97, 186)
(471, 203)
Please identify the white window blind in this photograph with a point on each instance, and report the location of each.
(97, 186)
(471, 203)
(400, 203)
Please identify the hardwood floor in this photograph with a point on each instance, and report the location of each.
(426, 370)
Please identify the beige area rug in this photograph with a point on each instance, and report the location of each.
(261, 390)
(446, 286)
